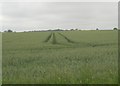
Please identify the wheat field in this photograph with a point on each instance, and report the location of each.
(60, 57)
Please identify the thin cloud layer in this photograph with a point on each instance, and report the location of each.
(51, 15)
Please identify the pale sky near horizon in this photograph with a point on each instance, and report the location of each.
(22, 16)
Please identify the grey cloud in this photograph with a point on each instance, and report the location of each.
(47, 15)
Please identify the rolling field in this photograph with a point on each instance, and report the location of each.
(64, 57)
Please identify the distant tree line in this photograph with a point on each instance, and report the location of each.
(53, 30)
(8, 30)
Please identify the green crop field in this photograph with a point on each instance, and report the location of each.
(0, 58)
(60, 57)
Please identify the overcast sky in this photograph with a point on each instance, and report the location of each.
(22, 16)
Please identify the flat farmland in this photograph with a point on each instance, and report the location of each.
(60, 57)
